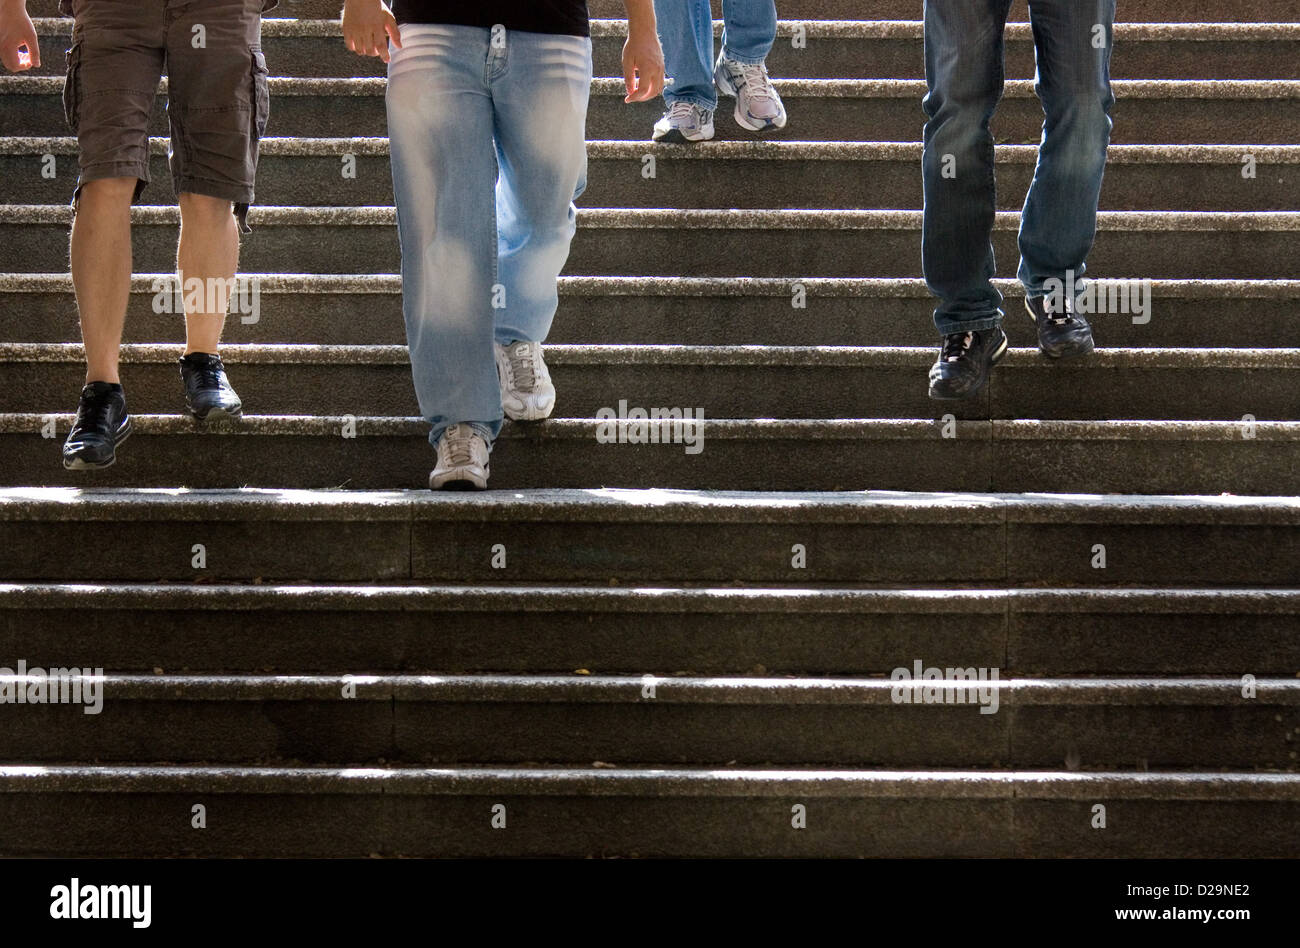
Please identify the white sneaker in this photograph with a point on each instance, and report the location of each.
(684, 122)
(758, 107)
(526, 390)
(462, 460)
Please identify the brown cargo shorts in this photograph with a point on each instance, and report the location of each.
(217, 95)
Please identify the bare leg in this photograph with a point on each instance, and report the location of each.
(209, 252)
(101, 270)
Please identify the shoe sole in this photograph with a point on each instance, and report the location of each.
(217, 414)
(675, 137)
(975, 389)
(461, 482)
(76, 464)
(1068, 354)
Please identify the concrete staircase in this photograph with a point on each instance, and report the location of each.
(639, 651)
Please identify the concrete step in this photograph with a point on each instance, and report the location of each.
(1154, 111)
(295, 451)
(302, 629)
(1135, 10)
(82, 810)
(721, 381)
(617, 537)
(830, 49)
(434, 719)
(309, 171)
(1213, 245)
(321, 309)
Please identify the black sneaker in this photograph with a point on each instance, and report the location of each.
(207, 390)
(100, 426)
(964, 362)
(1061, 335)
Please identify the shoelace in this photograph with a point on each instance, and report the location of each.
(522, 368)
(755, 79)
(680, 109)
(460, 446)
(1066, 315)
(93, 412)
(210, 373)
(956, 345)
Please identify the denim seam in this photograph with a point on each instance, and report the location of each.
(743, 60)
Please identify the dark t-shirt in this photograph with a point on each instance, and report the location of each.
(567, 17)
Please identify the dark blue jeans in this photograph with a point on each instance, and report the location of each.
(964, 75)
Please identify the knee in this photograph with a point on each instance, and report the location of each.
(959, 114)
(203, 209)
(108, 192)
(1083, 115)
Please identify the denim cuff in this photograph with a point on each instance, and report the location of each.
(947, 324)
(743, 60)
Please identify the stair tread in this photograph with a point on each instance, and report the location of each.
(391, 283)
(774, 150)
(652, 505)
(623, 599)
(1013, 690)
(667, 781)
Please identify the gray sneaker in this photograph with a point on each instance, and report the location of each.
(684, 122)
(758, 107)
(462, 459)
(527, 393)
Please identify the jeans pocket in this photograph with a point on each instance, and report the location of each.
(261, 92)
(72, 87)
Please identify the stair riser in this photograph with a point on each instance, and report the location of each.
(331, 319)
(461, 552)
(793, 643)
(437, 733)
(694, 251)
(711, 183)
(812, 118)
(149, 824)
(289, 461)
(1046, 390)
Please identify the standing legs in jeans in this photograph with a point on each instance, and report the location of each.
(487, 138)
(488, 152)
(964, 75)
(686, 31)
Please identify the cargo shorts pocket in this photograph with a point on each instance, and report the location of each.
(261, 92)
(72, 87)
(261, 112)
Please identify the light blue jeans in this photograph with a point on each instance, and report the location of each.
(487, 133)
(686, 34)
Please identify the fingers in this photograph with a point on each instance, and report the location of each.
(653, 81)
(23, 55)
(629, 78)
(643, 84)
(372, 39)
